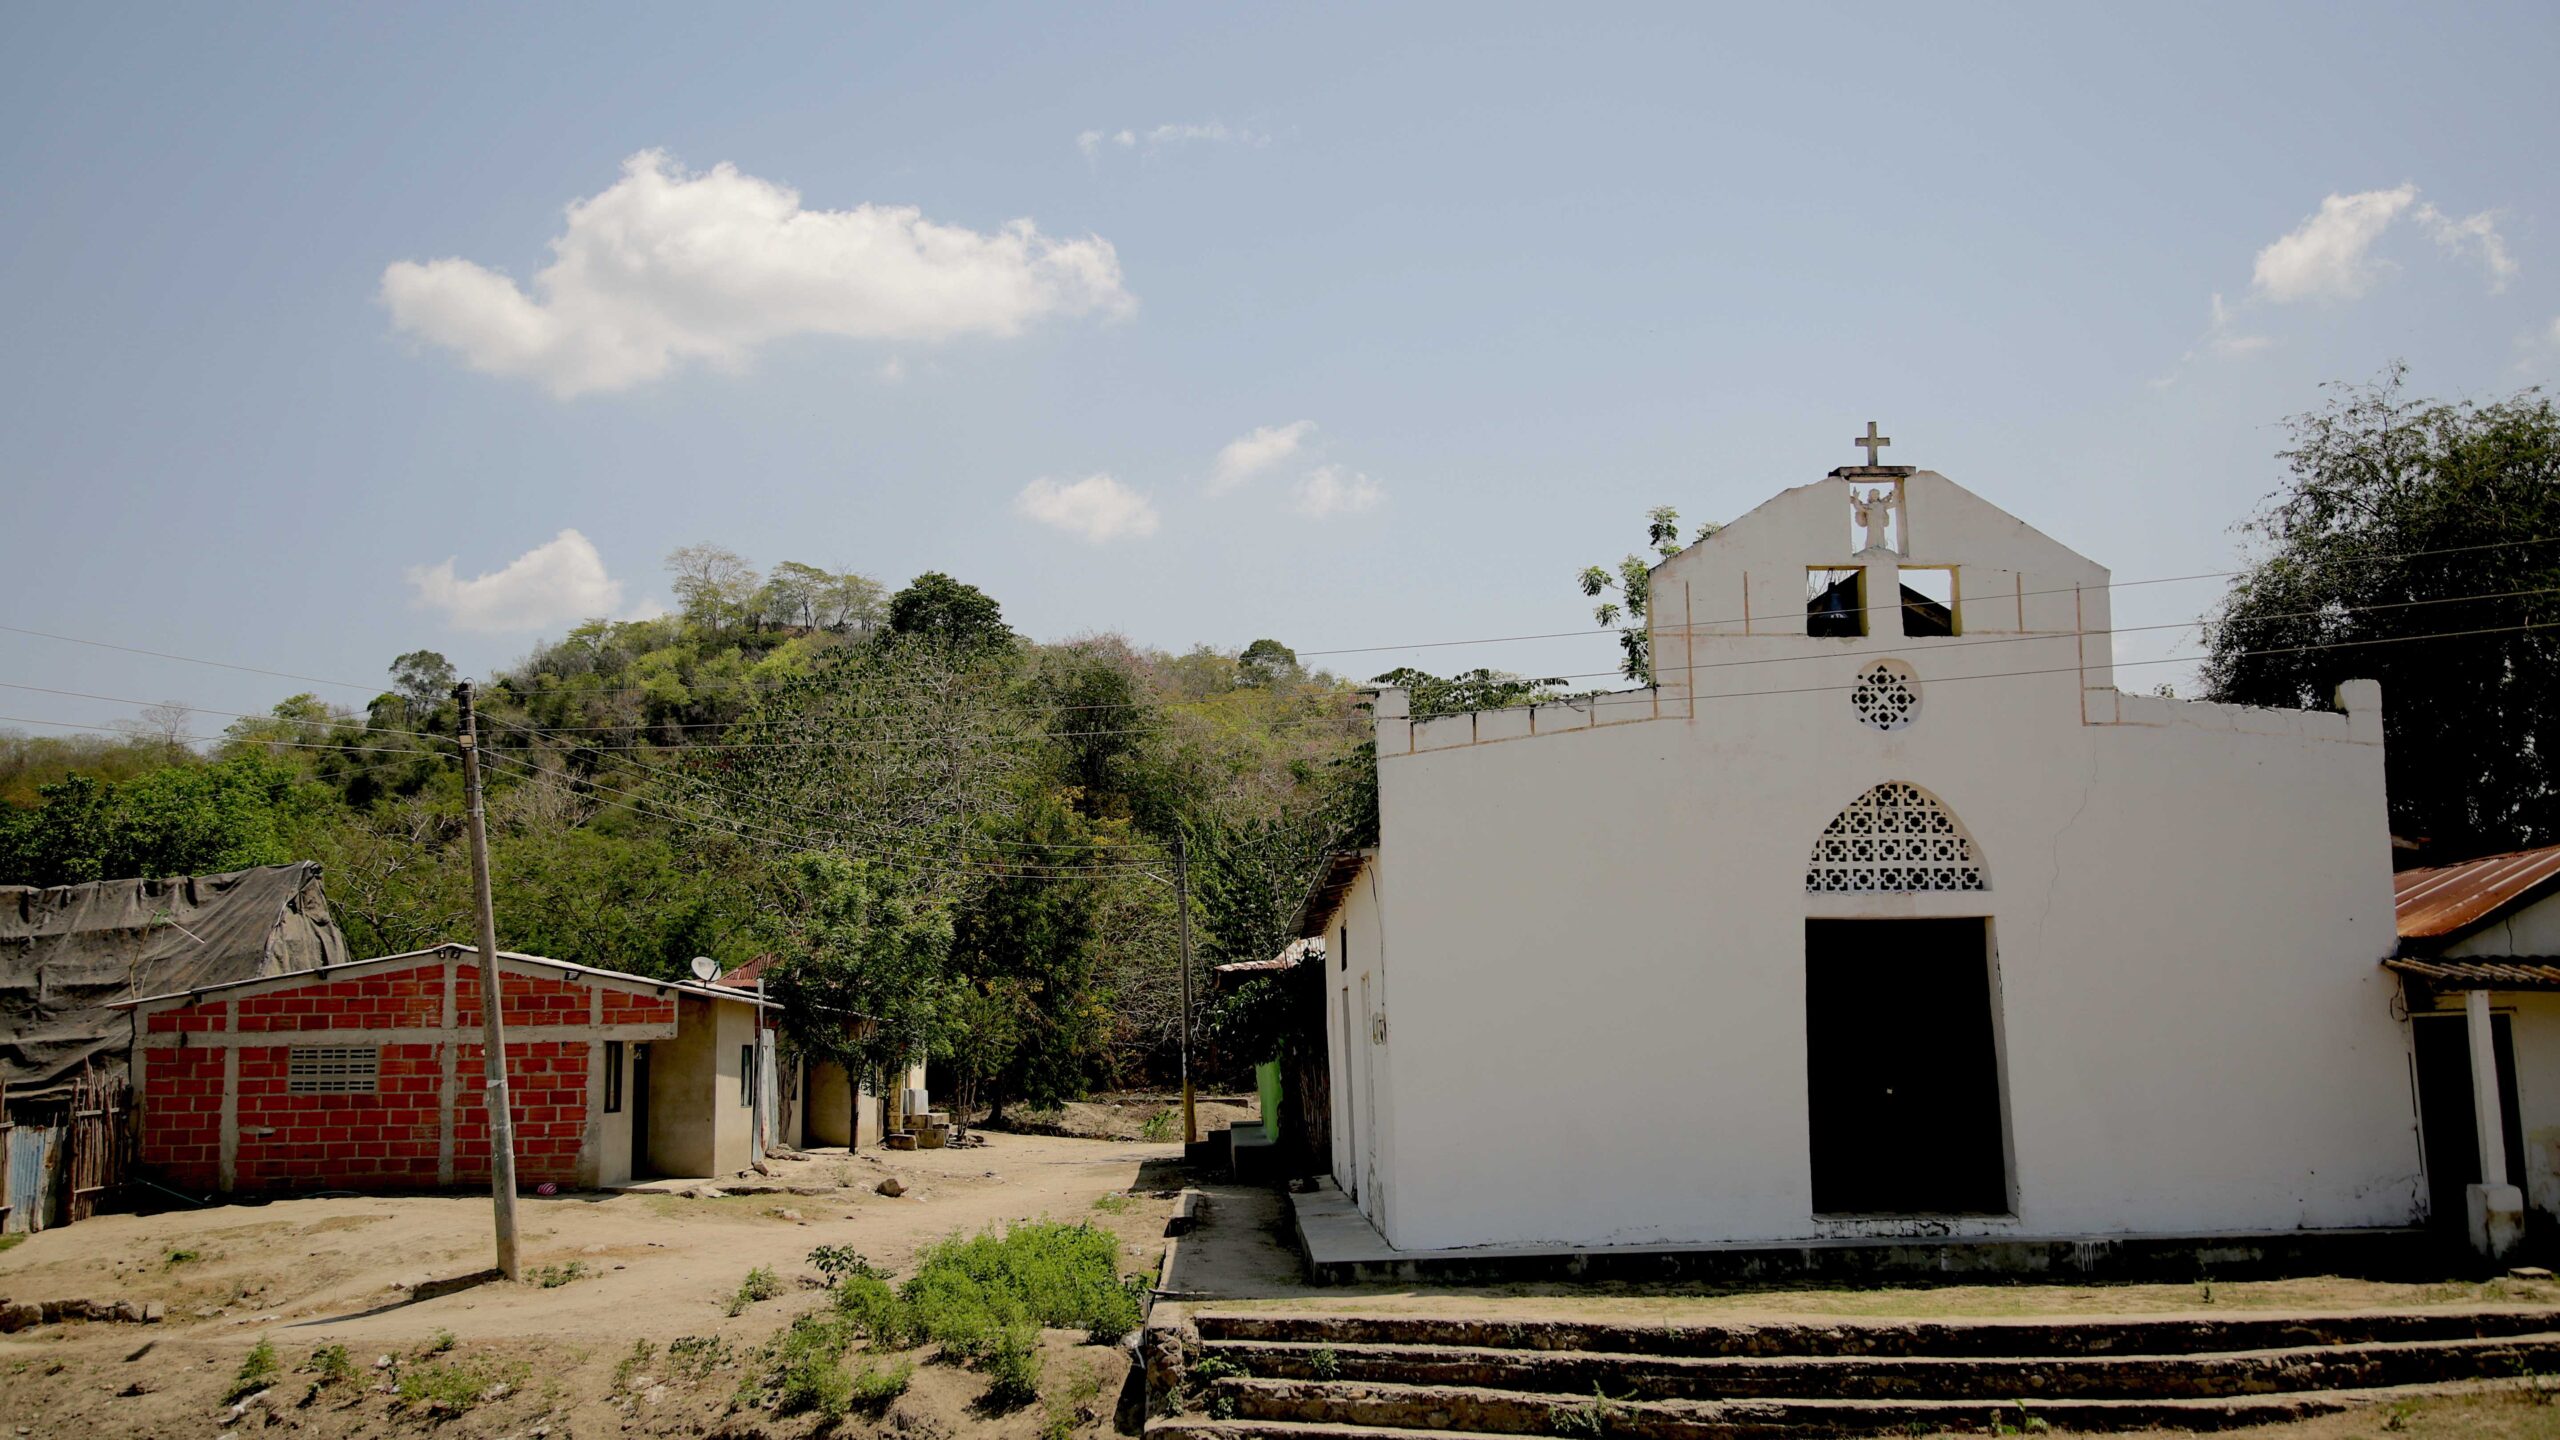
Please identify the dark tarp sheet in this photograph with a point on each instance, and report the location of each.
(70, 951)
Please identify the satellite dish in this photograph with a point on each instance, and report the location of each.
(705, 968)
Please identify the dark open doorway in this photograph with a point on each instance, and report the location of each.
(1903, 1068)
(2446, 1120)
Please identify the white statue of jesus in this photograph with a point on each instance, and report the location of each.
(1874, 513)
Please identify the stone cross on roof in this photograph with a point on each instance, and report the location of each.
(1872, 441)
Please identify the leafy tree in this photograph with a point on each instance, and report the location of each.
(949, 612)
(422, 677)
(714, 586)
(863, 982)
(1267, 662)
(1633, 582)
(177, 820)
(1477, 689)
(1024, 956)
(2411, 544)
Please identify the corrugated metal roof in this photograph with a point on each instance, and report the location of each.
(2506, 972)
(1288, 958)
(2442, 901)
(1341, 868)
(324, 973)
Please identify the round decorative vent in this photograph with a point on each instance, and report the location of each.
(1887, 695)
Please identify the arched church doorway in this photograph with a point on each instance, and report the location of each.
(1902, 1054)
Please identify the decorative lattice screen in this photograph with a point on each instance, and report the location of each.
(1894, 837)
(1886, 696)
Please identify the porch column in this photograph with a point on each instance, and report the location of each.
(2496, 1207)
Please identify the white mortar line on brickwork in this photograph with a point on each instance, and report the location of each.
(449, 1056)
(227, 1167)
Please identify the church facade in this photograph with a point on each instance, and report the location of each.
(1882, 913)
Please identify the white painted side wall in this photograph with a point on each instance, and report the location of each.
(1597, 937)
(2529, 930)
(1364, 1150)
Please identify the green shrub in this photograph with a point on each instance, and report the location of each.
(967, 1292)
(1157, 1127)
(875, 1310)
(552, 1277)
(840, 1263)
(442, 1342)
(874, 1388)
(1013, 1366)
(809, 1366)
(257, 1372)
(761, 1284)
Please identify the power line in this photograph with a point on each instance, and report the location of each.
(415, 754)
(199, 710)
(799, 841)
(1649, 696)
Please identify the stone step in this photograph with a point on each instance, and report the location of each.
(2165, 1335)
(931, 1137)
(898, 1140)
(1312, 1408)
(1577, 1374)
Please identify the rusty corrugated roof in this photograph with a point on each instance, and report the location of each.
(2442, 901)
(2506, 972)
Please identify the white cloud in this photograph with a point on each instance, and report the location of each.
(1246, 456)
(1163, 137)
(2222, 339)
(559, 582)
(2328, 256)
(1331, 490)
(2472, 234)
(891, 370)
(665, 266)
(1095, 509)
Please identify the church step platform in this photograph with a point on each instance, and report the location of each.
(2146, 1335)
(1998, 1379)
(1310, 1408)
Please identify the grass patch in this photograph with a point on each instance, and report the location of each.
(629, 1365)
(256, 1373)
(329, 1365)
(441, 1342)
(12, 1242)
(1113, 1203)
(761, 1284)
(1157, 1127)
(454, 1386)
(176, 1257)
(552, 1277)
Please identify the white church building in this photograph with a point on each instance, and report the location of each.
(1883, 913)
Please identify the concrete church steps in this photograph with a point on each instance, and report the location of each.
(1315, 1376)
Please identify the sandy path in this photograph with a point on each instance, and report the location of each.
(655, 1267)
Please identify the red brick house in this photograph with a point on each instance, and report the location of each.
(368, 1075)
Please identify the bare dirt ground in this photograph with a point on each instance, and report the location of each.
(1136, 1115)
(625, 1271)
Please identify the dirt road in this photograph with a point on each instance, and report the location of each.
(622, 1270)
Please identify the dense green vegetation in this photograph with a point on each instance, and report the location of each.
(961, 835)
(2417, 542)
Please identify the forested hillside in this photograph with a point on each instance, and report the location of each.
(958, 832)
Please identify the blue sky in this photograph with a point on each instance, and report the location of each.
(1489, 281)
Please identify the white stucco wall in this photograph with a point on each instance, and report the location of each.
(1597, 936)
(2527, 930)
(1364, 1150)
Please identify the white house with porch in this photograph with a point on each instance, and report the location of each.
(2479, 967)
(1882, 914)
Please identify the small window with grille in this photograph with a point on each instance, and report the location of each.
(330, 1070)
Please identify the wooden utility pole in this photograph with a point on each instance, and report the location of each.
(493, 1024)
(1182, 920)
